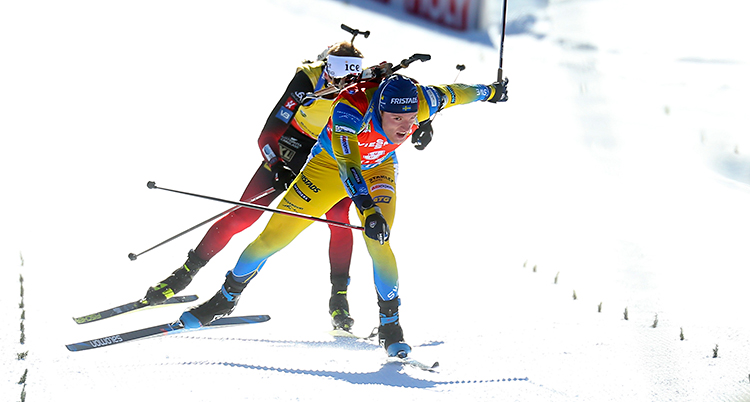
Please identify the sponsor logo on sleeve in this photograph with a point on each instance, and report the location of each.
(432, 97)
(350, 187)
(268, 153)
(453, 94)
(290, 141)
(345, 129)
(284, 114)
(356, 175)
(298, 96)
(287, 153)
(290, 103)
(483, 93)
(345, 146)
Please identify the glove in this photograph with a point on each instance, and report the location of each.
(423, 135)
(282, 175)
(376, 227)
(501, 91)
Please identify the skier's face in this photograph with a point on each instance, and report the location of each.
(397, 126)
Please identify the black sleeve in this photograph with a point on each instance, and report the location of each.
(281, 116)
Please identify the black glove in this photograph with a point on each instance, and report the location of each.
(423, 135)
(282, 176)
(501, 91)
(376, 227)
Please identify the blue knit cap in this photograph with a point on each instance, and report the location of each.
(398, 94)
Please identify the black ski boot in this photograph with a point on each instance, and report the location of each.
(176, 282)
(338, 306)
(220, 305)
(390, 334)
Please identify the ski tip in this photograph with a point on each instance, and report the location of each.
(72, 347)
(87, 318)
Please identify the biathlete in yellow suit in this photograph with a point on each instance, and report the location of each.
(355, 157)
(285, 142)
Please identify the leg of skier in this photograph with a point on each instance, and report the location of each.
(340, 255)
(215, 239)
(296, 148)
(315, 190)
(382, 186)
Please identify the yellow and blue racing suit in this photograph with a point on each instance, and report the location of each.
(352, 158)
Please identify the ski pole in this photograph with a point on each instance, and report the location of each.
(152, 185)
(502, 41)
(459, 67)
(270, 190)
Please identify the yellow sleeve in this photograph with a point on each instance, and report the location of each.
(434, 98)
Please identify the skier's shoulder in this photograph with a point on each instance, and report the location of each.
(312, 70)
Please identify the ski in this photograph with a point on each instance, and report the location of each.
(128, 307)
(164, 329)
(414, 363)
(342, 333)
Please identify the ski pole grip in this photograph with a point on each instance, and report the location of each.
(151, 184)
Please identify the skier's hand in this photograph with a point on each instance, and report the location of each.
(282, 175)
(376, 227)
(501, 91)
(423, 135)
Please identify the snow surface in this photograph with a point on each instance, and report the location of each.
(618, 172)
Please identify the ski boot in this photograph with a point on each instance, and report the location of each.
(220, 305)
(338, 306)
(390, 334)
(176, 282)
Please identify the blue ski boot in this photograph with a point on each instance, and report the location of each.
(220, 305)
(390, 334)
